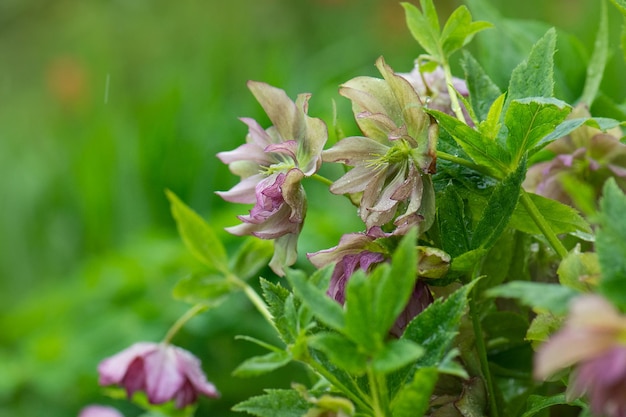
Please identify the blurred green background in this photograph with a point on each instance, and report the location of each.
(104, 104)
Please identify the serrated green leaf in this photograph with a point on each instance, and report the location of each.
(413, 399)
(482, 91)
(280, 304)
(275, 403)
(210, 290)
(537, 403)
(395, 355)
(611, 244)
(537, 295)
(560, 217)
(424, 26)
(534, 77)
(197, 235)
(459, 30)
(341, 351)
(499, 209)
(452, 224)
(568, 126)
(482, 150)
(328, 311)
(467, 261)
(491, 126)
(260, 365)
(251, 256)
(531, 119)
(597, 62)
(436, 327)
(369, 311)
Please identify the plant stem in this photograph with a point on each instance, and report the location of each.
(454, 100)
(540, 221)
(322, 179)
(376, 394)
(189, 314)
(254, 297)
(482, 355)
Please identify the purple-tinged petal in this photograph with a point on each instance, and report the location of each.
(135, 378)
(289, 148)
(191, 368)
(113, 369)
(279, 108)
(163, 378)
(354, 150)
(99, 411)
(246, 152)
(256, 134)
(419, 300)
(354, 181)
(285, 252)
(243, 192)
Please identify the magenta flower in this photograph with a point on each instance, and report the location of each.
(361, 251)
(394, 157)
(99, 411)
(272, 164)
(593, 340)
(163, 371)
(431, 86)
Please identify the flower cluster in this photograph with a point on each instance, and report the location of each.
(272, 164)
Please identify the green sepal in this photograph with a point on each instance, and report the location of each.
(198, 236)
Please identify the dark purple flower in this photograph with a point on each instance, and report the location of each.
(163, 371)
(272, 164)
(99, 411)
(360, 251)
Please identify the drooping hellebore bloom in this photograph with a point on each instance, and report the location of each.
(272, 164)
(394, 157)
(163, 371)
(360, 251)
(99, 411)
(432, 88)
(587, 155)
(593, 340)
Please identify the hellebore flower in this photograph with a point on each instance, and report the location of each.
(394, 157)
(99, 411)
(431, 86)
(594, 340)
(272, 164)
(361, 251)
(587, 155)
(163, 371)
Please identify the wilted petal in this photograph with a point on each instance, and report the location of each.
(163, 378)
(354, 150)
(243, 192)
(99, 411)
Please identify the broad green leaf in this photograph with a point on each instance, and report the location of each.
(452, 222)
(483, 92)
(568, 126)
(597, 62)
(370, 311)
(537, 403)
(414, 397)
(499, 209)
(529, 120)
(253, 255)
(459, 30)
(504, 329)
(579, 270)
(436, 327)
(534, 77)
(483, 151)
(210, 290)
(560, 217)
(424, 26)
(621, 5)
(341, 351)
(280, 304)
(198, 235)
(395, 355)
(467, 261)
(259, 365)
(508, 258)
(537, 295)
(611, 244)
(275, 403)
(328, 311)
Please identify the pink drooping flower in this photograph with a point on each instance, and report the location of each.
(593, 340)
(394, 157)
(272, 164)
(163, 371)
(99, 411)
(361, 251)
